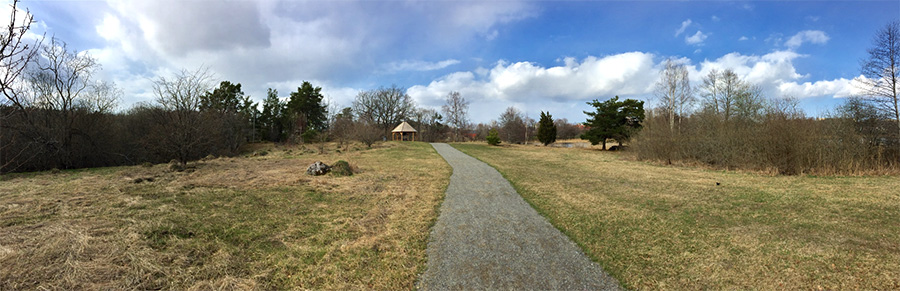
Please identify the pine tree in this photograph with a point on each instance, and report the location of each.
(306, 109)
(493, 137)
(546, 129)
(613, 119)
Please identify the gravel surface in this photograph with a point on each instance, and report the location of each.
(487, 237)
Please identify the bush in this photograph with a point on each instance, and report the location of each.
(780, 141)
(493, 137)
(175, 166)
(341, 168)
(309, 136)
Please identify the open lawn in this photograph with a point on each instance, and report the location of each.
(256, 222)
(662, 227)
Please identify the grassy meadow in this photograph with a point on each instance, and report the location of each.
(665, 227)
(253, 222)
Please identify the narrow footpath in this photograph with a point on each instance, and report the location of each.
(488, 237)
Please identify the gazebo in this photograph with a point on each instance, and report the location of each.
(403, 132)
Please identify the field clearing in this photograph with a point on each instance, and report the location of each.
(663, 227)
(255, 222)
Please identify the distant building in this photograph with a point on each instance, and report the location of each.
(404, 132)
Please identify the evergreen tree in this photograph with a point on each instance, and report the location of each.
(306, 109)
(546, 129)
(272, 118)
(613, 119)
(493, 137)
(224, 99)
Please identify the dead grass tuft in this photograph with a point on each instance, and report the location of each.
(231, 223)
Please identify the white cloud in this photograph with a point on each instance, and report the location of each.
(743, 38)
(810, 36)
(408, 65)
(258, 42)
(715, 18)
(566, 87)
(684, 25)
(696, 39)
(527, 84)
(837, 88)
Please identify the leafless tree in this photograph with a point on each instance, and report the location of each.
(387, 107)
(16, 53)
(63, 78)
(566, 130)
(181, 132)
(456, 111)
(429, 124)
(62, 87)
(882, 71)
(722, 92)
(674, 91)
(512, 126)
(341, 125)
(367, 130)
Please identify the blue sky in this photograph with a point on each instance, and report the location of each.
(534, 55)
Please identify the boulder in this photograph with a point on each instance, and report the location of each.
(318, 169)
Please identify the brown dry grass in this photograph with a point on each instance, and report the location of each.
(255, 222)
(658, 227)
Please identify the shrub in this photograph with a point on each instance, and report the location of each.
(175, 166)
(309, 136)
(493, 137)
(341, 168)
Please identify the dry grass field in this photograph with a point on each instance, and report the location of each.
(663, 227)
(255, 222)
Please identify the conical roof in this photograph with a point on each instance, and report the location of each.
(404, 127)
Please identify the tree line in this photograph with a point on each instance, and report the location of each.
(55, 114)
(727, 122)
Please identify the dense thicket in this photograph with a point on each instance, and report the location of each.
(781, 140)
(735, 126)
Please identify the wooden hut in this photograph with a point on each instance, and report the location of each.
(404, 132)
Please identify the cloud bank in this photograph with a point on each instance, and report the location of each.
(275, 42)
(532, 87)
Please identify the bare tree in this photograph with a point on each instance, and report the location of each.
(63, 89)
(722, 92)
(181, 132)
(512, 126)
(882, 71)
(57, 113)
(674, 91)
(456, 110)
(386, 107)
(429, 124)
(366, 130)
(16, 53)
(341, 126)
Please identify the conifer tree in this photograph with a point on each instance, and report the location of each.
(546, 129)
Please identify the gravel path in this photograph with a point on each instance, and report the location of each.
(487, 237)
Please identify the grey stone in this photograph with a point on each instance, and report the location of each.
(317, 169)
